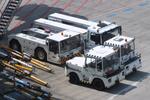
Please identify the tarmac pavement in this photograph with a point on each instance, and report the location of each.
(132, 15)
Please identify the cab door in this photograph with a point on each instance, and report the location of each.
(53, 51)
(89, 71)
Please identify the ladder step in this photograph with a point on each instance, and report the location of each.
(10, 7)
(3, 24)
(16, 2)
(3, 21)
(8, 11)
(13, 3)
(5, 17)
(7, 14)
(2, 27)
(1, 30)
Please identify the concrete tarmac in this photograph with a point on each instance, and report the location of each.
(132, 15)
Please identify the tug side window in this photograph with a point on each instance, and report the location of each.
(99, 66)
(92, 65)
(53, 46)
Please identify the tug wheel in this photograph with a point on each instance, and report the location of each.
(40, 54)
(134, 70)
(73, 78)
(98, 84)
(14, 44)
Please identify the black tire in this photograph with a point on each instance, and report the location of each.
(1, 67)
(14, 44)
(134, 70)
(73, 78)
(98, 84)
(40, 54)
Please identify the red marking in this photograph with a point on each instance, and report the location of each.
(81, 6)
(47, 11)
(28, 14)
(68, 4)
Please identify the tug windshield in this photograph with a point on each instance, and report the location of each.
(100, 38)
(126, 49)
(70, 44)
(111, 33)
(110, 64)
(53, 46)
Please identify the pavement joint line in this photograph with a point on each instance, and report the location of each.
(97, 4)
(128, 88)
(142, 4)
(127, 10)
(112, 15)
(78, 9)
(112, 2)
(124, 90)
(115, 10)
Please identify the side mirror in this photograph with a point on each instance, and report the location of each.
(46, 42)
(86, 66)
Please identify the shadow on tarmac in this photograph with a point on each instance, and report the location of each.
(27, 15)
(5, 86)
(137, 76)
(123, 88)
(31, 12)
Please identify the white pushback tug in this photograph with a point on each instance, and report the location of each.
(98, 31)
(53, 47)
(130, 59)
(100, 67)
(54, 26)
(106, 33)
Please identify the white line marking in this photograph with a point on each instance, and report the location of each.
(124, 90)
(128, 88)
